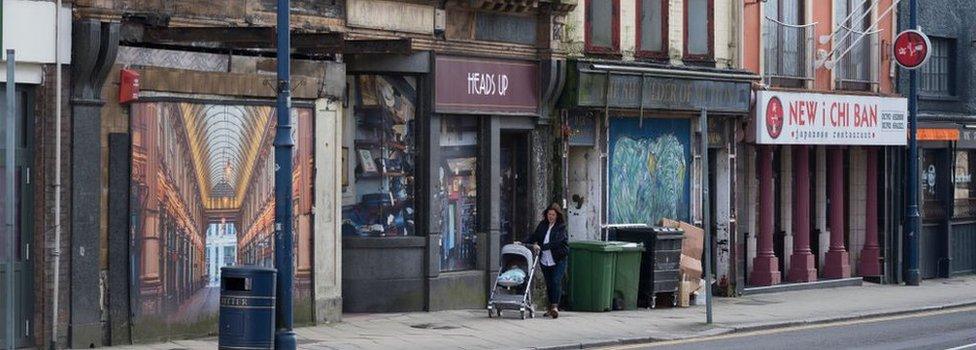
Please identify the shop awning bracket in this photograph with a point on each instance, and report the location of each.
(606, 100)
(640, 122)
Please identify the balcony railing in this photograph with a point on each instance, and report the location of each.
(857, 68)
(788, 52)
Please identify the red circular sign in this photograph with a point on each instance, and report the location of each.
(912, 48)
(774, 117)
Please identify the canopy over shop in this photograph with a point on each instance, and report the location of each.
(850, 128)
(644, 118)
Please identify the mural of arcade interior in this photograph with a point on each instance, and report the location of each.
(202, 190)
(813, 213)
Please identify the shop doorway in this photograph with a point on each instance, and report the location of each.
(516, 219)
(22, 297)
(936, 184)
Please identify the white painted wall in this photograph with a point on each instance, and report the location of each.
(327, 239)
(856, 202)
(725, 31)
(585, 180)
(28, 27)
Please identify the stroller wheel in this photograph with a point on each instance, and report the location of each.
(522, 314)
(491, 313)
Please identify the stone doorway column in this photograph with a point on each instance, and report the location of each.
(837, 265)
(765, 264)
(871, 253)
(802, 264)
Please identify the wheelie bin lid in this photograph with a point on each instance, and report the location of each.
(629, 246)
(596, 246)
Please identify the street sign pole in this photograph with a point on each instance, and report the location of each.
(9, 212)
(284, 145)
(912, 277)
(706, 215)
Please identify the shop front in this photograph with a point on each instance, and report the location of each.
(822, 198)
(442, 166)
(947, 246)
(633, 150)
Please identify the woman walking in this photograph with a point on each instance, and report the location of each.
(551, 243)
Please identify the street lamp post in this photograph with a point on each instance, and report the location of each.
(912, 215)
(284, 145)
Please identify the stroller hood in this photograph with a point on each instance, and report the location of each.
(517, 250)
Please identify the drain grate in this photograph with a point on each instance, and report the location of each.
(432, 326)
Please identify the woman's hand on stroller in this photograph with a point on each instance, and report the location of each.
(536, 248)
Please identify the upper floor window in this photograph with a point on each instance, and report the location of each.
(938, 74)
(602, 26)
(853, 20)
(698, 29)
(785, 42)
(652, 28)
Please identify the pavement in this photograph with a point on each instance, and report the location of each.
(472, 329)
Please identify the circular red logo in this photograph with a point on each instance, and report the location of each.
(911, 49)
(774, 117)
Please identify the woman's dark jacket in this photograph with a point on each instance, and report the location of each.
(558, 240)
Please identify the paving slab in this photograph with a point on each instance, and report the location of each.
(472, 329)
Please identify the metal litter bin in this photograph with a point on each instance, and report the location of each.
(247, 307)
(659, 272)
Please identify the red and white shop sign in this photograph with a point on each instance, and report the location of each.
(796, 118)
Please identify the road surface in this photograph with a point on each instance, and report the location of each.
(953, 329)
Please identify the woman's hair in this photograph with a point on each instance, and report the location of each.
(559, 213)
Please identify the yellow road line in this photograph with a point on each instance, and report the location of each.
(791, 329)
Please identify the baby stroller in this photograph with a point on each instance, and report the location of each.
(514, 297)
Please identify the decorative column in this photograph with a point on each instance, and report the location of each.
(765, 265)
(871, 253)
(802, 264)
(837, 265)
(92, 58)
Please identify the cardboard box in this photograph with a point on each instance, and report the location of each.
(691, 269)
(694, 243)
(684, 293)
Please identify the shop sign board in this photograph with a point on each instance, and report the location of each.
(967, 138)
(797, 118)
(634, 91)
(483, 86)
(938, 134)
(390, 15)
(912, 49)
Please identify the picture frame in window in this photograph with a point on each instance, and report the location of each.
(366, 91)
(367, 165)
(345, 168)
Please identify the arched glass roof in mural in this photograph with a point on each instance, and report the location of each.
(226, 140)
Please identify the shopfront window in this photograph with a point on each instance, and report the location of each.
(931, 175)
(964, 192)
(458, 192)
(378, 157)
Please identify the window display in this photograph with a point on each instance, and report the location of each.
(378, 197)
(930, 177)
(458, 192)
(964, 189)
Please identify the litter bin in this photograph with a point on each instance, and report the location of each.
(591, 267)
(659, 272)
(247, 307)
(626, 275)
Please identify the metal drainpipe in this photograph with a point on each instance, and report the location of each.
(56, 252)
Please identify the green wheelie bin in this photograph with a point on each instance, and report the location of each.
(591, 275)
(626, 275)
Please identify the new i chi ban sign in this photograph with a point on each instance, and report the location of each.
(796, 118)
